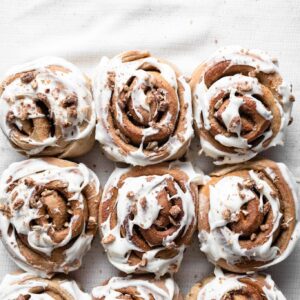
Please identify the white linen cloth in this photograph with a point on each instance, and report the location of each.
(184, 32)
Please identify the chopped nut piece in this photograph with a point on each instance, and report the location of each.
(235, 122)
(2, 207)
(108, 240)
(92, 223)
(46, 193)
(260, 175)
(235, 217)
(292, 98)
(14, 195)
(5, 210)
(27, 77)
(55, 93)
(133, 209)
(253, 236)
(266, 208)
(72, 112)
(143, 262)
(143, 202)
(260, 187)
(175, 211)
(70, 100)
(66, 224)
(111, 79)
(264, 227)
(245, 212)
(218, 104)
(10, 116)
(34, 84)
(163, 105)
(18, 204)
(29, 181)
(249, 183)
(242, 195)
(152, 145)
(171, 246)
(130, 195)
(240, 186)
(226, 214)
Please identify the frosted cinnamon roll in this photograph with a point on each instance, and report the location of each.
(143, 107)
(148, 216)
(142, 288)
(47, 108)
(48, 214)
(229, 287)
(26, 286)
(242, 106)
(248, 216)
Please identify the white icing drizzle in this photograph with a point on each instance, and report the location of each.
(203, 95)
(14, 285)
(223, 243)
(218, 287)
(145, 289)
(103, 93)
(146, 187)
(41, 172)
(18, 95)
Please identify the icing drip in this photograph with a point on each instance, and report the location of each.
(145, 289)
(144, 193)
(150, 147)
(25, 284)
(55, 79)
(233, 98)
(20, 184)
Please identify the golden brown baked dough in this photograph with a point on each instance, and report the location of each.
(143, 107)
(48, 214)
(248, 216)
(242, 106)
(148, 217)
(47, 109)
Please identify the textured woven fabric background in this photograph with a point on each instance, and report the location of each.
(184, 32)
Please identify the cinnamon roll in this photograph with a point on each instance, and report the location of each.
(229, 286)
(142, 288)
(48, 214)
(148, 216)
(47, 108)
(25, 286)
(242, 106)
(248, 216)
(144, 110)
